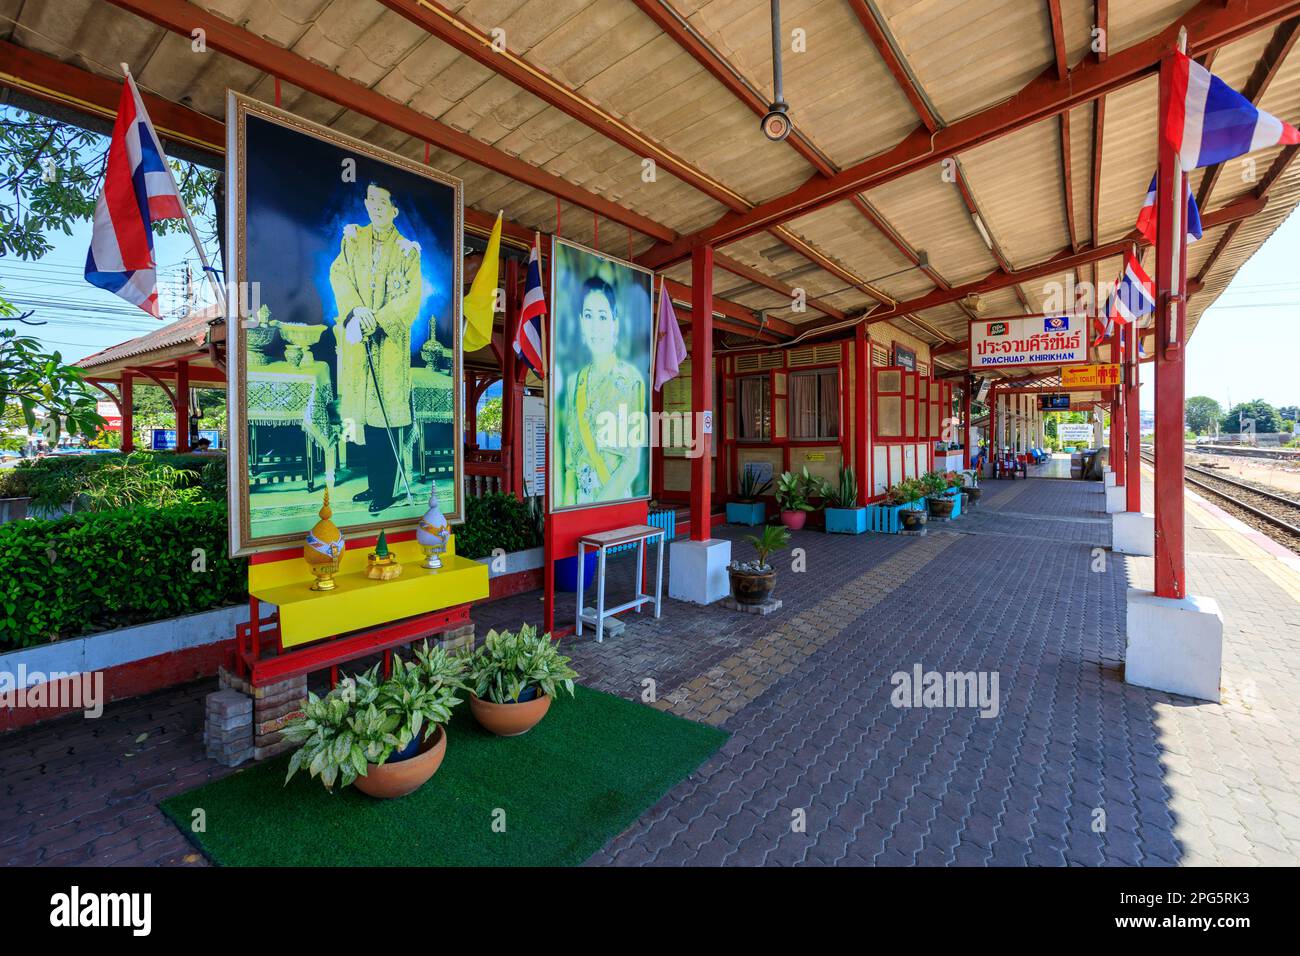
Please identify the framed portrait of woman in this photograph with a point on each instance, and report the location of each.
(343, 355)
(601, 346)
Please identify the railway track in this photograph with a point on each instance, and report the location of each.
(1276, 515)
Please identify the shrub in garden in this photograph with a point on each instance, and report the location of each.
(97, 571)
(102, 482)
(497, 521)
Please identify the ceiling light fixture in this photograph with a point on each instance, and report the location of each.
(776, 123)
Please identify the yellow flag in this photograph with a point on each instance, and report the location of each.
(480, 303)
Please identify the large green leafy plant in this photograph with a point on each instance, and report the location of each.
(771, 539)
(933, 484)
(497, 521)
(508, 663)
(363, 721)
(793, 490)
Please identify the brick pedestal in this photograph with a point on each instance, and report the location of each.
(228, 727)
(273, 706)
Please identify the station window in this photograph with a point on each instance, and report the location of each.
(815, 405)
(753, 408)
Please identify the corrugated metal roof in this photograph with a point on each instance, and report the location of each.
(613, 56)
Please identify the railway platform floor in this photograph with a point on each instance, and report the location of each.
(1065, 764)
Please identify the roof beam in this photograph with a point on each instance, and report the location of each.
(239, 44)
(1283, 39)
(1062, 262)
(56, 82)
(468, 40)
(1209, 24)
(894, 64)
(735, 267)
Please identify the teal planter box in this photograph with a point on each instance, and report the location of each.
(846, 520)
(885, 518)
(749, 513)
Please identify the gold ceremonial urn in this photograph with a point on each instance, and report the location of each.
(324, 548)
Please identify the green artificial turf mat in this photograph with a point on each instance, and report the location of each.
(569, 785)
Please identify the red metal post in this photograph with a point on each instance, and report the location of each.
(1118, 412)
(182, 405)
(1171, 295)
(1132, 424)
(861, 391)
(701, 387)
(548, 528)
(128, 413)
(967, 431)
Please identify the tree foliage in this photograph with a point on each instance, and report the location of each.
(1258, 417)
(42, 385)
(1202, 413)
(50, 176)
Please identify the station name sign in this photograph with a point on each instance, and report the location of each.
(1028, 340)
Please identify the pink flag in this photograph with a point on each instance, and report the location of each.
(670, 349)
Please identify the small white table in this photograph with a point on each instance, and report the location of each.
(638, 534)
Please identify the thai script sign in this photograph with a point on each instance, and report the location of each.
(1031, 340)
(1072, 432)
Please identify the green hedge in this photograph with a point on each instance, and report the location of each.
(90, 572)
(133, 565)
(497, 521)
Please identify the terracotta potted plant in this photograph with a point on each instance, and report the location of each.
(386, 738)
(752, 582)
(935, 486)
(971, 486)
(513, 677)
(747, 509)
(792, 493)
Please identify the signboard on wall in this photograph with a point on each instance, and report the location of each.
(1074, 432)
(107, 410)
(905, 357)
(1028, 340)
(1096, 375)
(534, 438)
(164, 439)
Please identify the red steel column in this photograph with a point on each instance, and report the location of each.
(1171, 295)
(1117, 412)
(701, 387)
(965, 420)
(1132, 424)
(182, 406)
(128, 413)
(861, 375)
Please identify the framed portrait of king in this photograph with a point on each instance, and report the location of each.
(343, 362)
(601, 346)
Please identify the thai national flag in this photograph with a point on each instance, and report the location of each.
(138, 191)
(528, 337)
(1209, 121)
(1134, 296)
(1146, 223)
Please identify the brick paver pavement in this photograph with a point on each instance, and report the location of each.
(1075, 767)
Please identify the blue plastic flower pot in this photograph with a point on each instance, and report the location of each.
(846, 520)
(566, 572)
(750, 513)
(407, 752)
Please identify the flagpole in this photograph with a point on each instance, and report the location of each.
(217, 290)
